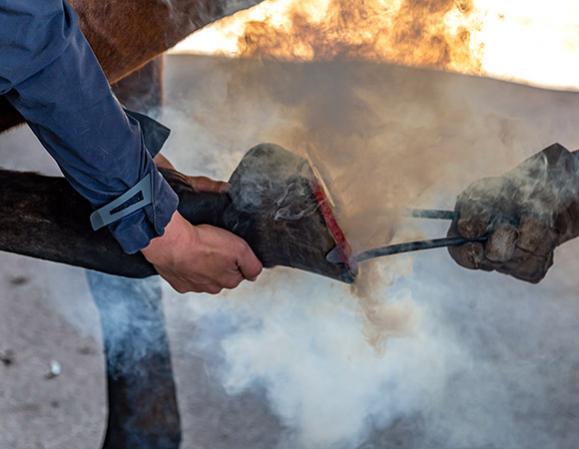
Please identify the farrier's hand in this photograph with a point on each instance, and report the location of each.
(202, 259)
(526, 214)
(197, 183)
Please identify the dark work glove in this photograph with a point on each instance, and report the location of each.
(525, 214)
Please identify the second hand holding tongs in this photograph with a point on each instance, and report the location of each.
(419, 245)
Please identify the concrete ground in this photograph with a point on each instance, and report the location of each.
(40, 411)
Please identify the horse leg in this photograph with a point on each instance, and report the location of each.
(9, 116)
(142, 401)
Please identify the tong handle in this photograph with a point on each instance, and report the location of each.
(419, 245)
(433, 214)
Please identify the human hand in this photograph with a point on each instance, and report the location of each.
(525, 214)
(197, 183)
(202, 259)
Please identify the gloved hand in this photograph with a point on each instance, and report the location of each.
(526, 214)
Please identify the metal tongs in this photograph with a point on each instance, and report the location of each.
(420, 245)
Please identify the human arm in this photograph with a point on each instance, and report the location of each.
(51, 76)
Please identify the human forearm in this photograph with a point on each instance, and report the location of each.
(70, 107)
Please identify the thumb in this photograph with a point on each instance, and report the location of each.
(249, 265)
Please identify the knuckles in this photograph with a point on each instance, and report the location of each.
(524, 251)
(469, 255)
(232, 283)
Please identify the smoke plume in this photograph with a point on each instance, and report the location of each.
(465, 359)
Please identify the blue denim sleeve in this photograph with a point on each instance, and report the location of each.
(49, 73)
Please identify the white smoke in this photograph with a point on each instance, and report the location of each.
(308, 350)
(490, 363)
(486, 361)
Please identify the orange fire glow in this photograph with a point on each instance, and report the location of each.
(520, 40)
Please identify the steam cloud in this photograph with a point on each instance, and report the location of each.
(470, 359)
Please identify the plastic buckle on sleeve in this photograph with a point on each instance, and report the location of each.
(108, 214)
